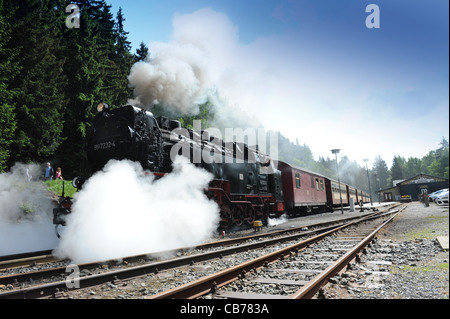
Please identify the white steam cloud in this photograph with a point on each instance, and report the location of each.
(182, 73)
(122, 211)
(204, 60)
(176, 77)
(25, 211)
(277, 221)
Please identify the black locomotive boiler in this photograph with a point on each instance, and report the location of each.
(246, 185)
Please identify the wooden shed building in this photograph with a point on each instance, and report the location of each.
(414, 187)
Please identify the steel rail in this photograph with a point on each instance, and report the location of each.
(52, 289)
(16, 279)
(312, 287)
(14, 261)
(210, 283)
(47, 290)
(25, 255)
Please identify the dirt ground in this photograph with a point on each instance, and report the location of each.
(419, 222)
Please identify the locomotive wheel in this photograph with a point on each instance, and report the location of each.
(249, 215)
(225, 216)
(238, 214)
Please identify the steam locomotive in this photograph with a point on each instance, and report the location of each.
(246, 185)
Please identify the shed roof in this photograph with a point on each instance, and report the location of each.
(423, 178)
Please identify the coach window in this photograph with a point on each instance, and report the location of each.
(317, 184)
(297, 180)
(321, 185)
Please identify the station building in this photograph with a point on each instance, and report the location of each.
(413, 187)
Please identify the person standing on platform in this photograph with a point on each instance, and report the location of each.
(58, 173)
(49, 172)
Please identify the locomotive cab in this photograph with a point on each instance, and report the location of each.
(125, 133)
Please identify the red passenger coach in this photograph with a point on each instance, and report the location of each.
(303, 191)
(334, 198)
(366, 198)
(359, 197)
(352, 193)
(363, 197)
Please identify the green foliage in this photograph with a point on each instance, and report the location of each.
(380, 174)
(27, 208)
(205, 115)
(8, 70)
(95, 67)
(141, 52)
(435, 163)
(52, 77)
(39, 80)
(56, 187)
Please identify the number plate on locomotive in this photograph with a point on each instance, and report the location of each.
(104, 145)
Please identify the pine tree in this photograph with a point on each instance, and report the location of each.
(397, 168)
(98, 64)
(437, 161)
(123, 60)
(8, 69)
(141, 52)
(39, 82)
(413, 167)
(381, 168)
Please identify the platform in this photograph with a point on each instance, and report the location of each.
(443, 241)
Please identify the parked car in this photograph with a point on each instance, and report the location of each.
(442, 199)
(434, 195)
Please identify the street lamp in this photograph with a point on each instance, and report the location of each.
(377, 186)
(368, 180)
(335, 152)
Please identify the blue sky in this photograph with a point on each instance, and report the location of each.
(315, 72)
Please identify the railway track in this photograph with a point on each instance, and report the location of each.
(25, 259)
(49, 284)
(286, 260)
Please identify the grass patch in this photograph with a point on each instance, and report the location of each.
(427, 233)
(428, 228)
(441, 266)
(438, 219)
(418, 269)
(56, 187)
(27, 208)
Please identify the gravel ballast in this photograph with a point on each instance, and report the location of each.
(406, 262)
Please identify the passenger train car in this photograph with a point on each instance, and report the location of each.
(305, 191)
